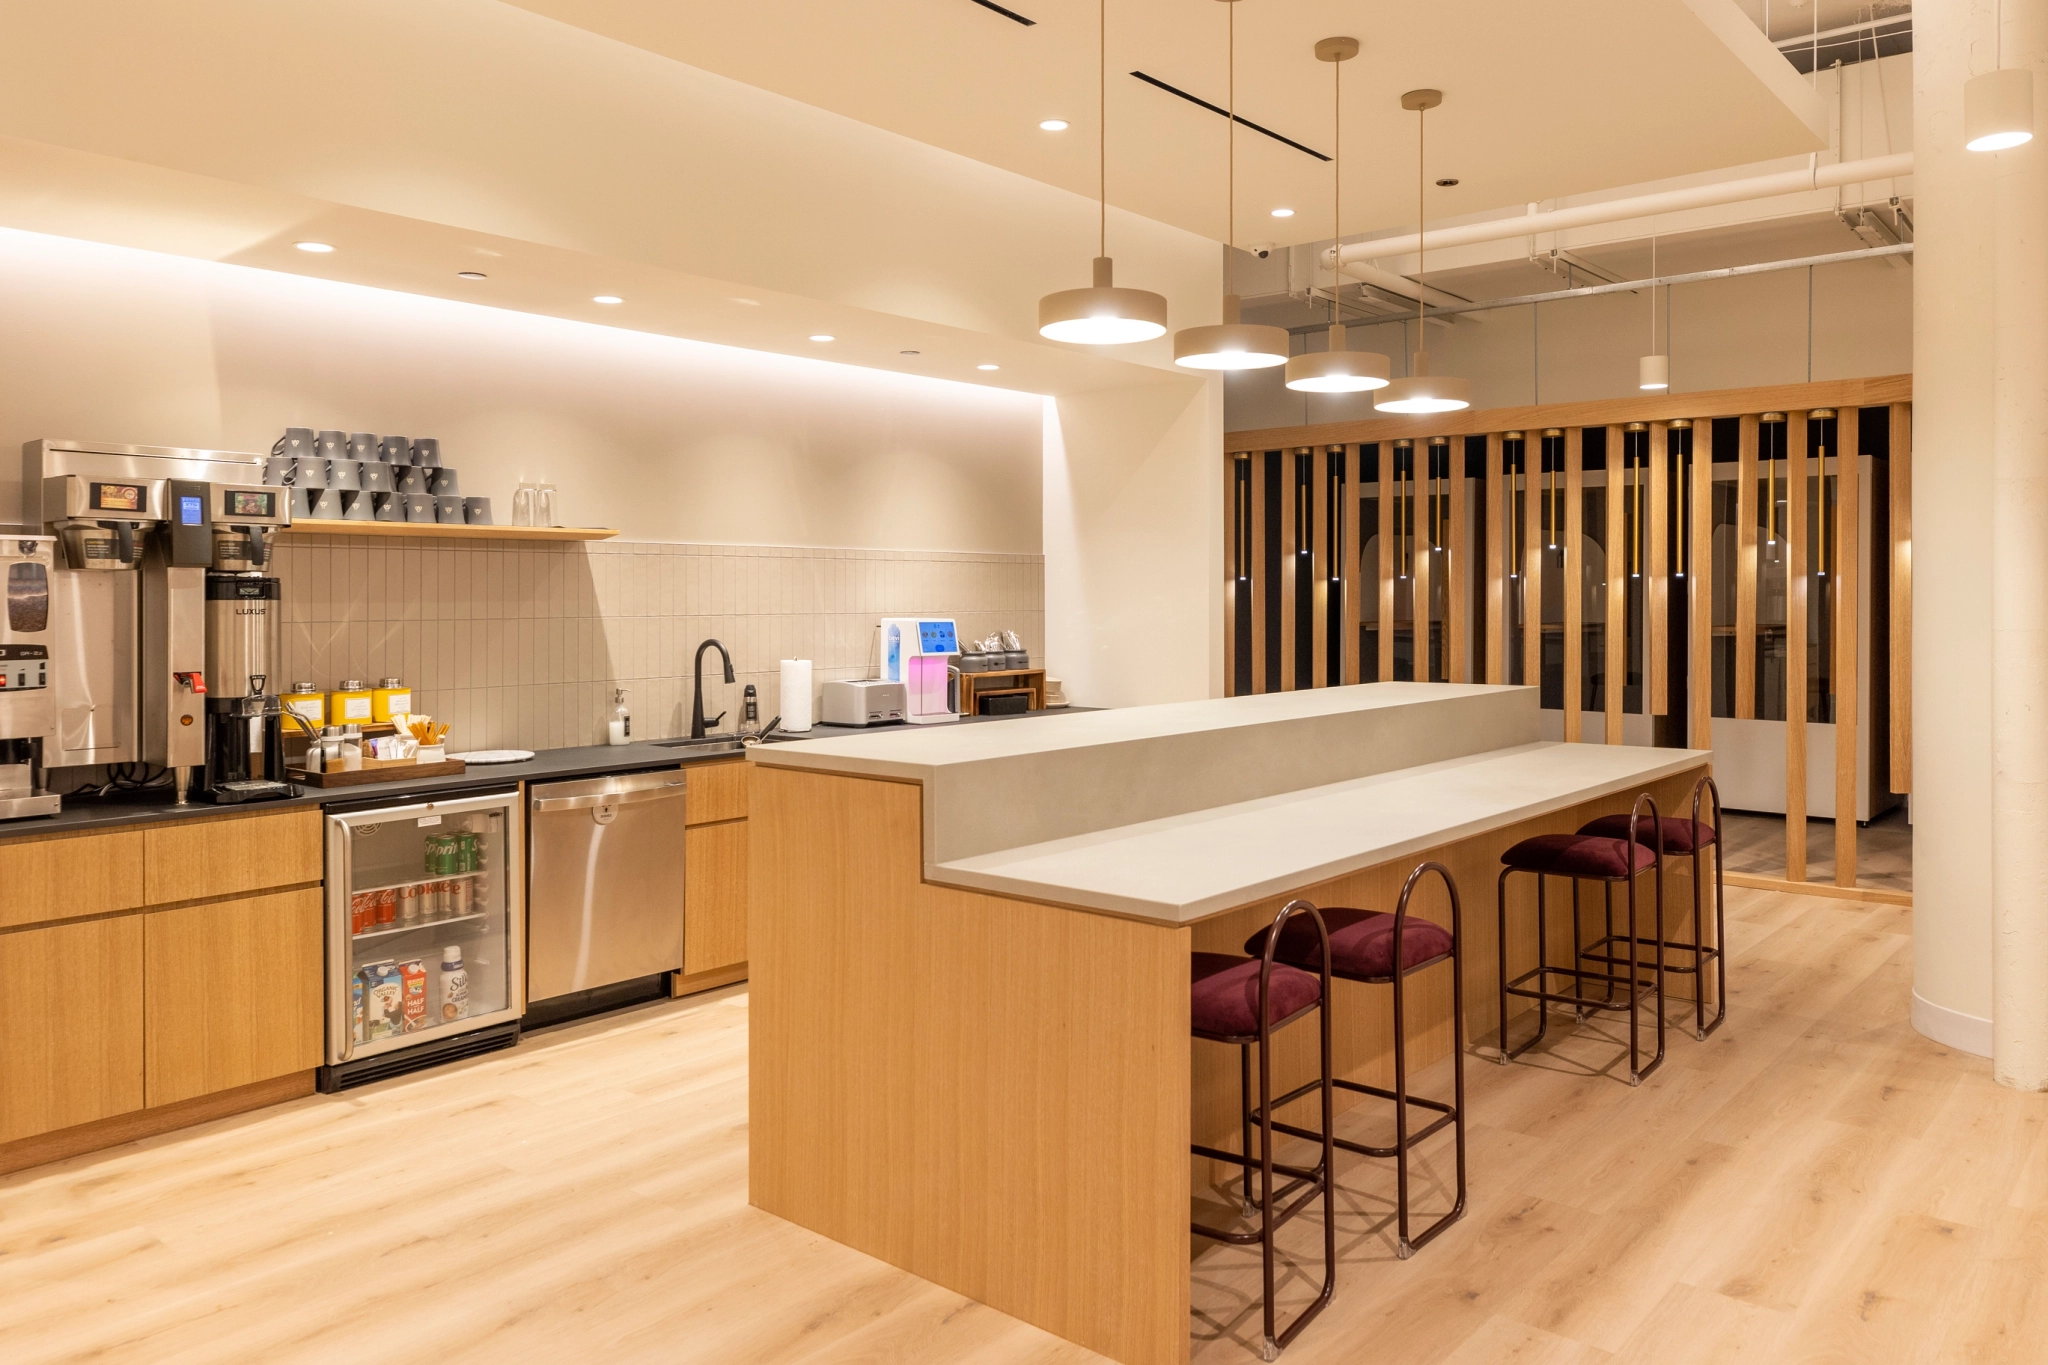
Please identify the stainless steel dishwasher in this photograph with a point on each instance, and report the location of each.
(604, 891)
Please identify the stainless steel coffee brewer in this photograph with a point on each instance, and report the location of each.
(244, 647)
(28, 711)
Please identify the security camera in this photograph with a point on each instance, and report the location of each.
(1261, 249)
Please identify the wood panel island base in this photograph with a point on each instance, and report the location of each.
(970, 1051)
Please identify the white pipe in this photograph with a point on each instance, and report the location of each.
(1402, 285)
(1639, 206)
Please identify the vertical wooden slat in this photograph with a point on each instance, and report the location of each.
(1614, 639)
(1574, 542)
(1745, 571)
(1317, 563)
(1848, 584)
(1261, 589)
(1232, 519)
(1794, 533)
(1458, 565)
(1657, 573)
(1699, 573)
(1901, 663)
(1290, 504)
(1500, 513)
(1532, 559)
(1386, 642)
(1354, 564)
(1420, 562)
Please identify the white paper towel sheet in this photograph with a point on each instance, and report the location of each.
(796, 695)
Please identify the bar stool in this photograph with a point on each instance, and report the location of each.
(1682, 837)
(1362, 950)
(1583, 858)
(1243, 1001)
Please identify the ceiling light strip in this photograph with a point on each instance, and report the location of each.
(1221, 112)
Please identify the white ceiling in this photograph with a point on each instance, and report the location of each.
(1542, 97)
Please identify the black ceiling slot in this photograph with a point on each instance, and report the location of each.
(1006, 13)
(1220, 110)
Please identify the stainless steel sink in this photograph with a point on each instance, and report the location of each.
(709, 744)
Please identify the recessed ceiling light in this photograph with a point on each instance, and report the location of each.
(1053, 125)
(823, 336)
(606, 298)
(316, 247)
(988, 367)
(1283, 213)
(470, 275)
(903, 352)
(1446, 184)
(751, 303)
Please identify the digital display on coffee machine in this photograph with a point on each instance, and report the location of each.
(191, 511)
(248, 502)
(117, 497)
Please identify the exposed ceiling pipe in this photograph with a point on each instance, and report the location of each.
(1400, 284)
(1637, 206)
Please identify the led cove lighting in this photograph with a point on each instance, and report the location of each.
(317, 248)
(1053, 125)
(607, 298)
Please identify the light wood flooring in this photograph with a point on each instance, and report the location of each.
(1815, 1182)
(1884, 848)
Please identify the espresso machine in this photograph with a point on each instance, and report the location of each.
(28, 714)
(244, 646)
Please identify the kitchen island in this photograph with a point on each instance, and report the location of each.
(969, 950)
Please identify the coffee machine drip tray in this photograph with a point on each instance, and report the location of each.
(235, 793)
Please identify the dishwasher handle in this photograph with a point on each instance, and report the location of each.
(543, 805)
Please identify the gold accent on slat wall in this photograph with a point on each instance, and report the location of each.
(1793, 533)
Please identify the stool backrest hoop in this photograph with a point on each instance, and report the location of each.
(1635, 817)
(1401, 912)
(1287, 912)
(1705, 786)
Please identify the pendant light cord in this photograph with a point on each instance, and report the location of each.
(1337, 188)
(1102, 123)
(1230, 159)
(1421, 238)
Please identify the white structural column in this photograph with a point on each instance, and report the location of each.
(2019, 584)
(1953, 362)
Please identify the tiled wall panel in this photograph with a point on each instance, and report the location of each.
(519, 646)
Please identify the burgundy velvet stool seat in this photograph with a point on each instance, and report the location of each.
(1685, 838)
(1243, 1001)
(1362, 950)
(1609, 860)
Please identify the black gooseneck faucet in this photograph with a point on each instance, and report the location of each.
(698, 725)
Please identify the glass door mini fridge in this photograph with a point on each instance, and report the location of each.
(425, 902)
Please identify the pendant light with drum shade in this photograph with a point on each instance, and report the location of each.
(1102, 314)
(1338, 369)
(1998, 106)
(1231, 344)
(1421, 391)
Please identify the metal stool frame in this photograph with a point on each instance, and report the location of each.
(1579, 976)
(1601, 950)
(1314, 1182)
(1452, 1114)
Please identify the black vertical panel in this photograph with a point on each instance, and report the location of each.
(1302, 509)
(1242, 568)
(1336, 545)
(1276, 506)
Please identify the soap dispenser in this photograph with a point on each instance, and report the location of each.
(620, 729)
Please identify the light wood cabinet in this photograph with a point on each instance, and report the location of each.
(715, 897)
(69, 877)
(202, 859)
(233, 993)
(716, 791)
(70, 1025)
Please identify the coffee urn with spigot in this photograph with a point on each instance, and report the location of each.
(244, 649)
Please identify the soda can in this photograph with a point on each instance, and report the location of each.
(360, 906)
(410, 902)
(466, 851)
(387, 907)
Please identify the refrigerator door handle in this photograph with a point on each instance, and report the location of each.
(544, 805)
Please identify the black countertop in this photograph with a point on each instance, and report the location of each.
(152, 806)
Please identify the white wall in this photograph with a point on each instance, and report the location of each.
(661, 438)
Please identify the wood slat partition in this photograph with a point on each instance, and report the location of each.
(1261, 589)
(1500, 514)
(1699, 574)
(1901, 568)
(1386, 630)
(1614, 638)
(1656, 575)
(1354, 549)
(1290, 511)
(1233, 520)
(1319, 577)
(1420, 563)
(1745, 571)
(1458, 571)
(1847, 571)
(1574, 543)
(1796, 693)
(1532, 558)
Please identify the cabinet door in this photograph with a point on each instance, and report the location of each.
(715, 897)
(234, 993)
(70, 1025)
(69, 878)
(189, 860)
(716, 791)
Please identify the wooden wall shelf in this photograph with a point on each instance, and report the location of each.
(438, 531)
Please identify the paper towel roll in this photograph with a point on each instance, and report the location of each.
(796, 695)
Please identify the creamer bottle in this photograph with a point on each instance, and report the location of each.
(454, 985)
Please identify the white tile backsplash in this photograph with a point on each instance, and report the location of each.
(519, 646)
